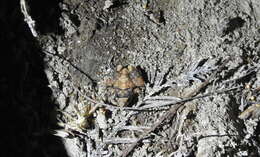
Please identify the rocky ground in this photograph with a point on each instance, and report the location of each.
(199, 61)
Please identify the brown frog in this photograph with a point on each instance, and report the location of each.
(125, 85)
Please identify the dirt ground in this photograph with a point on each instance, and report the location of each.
(199, 61)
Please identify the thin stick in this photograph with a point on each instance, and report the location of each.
(167, 103)
(27, 18)
(121, 141)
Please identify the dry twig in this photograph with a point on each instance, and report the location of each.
(27, 18)
(122, 140)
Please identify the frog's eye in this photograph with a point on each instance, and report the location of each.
(119, 68)
(130, 68)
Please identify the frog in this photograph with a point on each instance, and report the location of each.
(126, 84)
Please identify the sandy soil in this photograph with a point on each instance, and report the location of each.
(199, 60)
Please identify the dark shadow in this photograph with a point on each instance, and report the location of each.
(143, 74)
(161, 17)
(234, 24)
(47, 15)
(25, 98)
(118, 4)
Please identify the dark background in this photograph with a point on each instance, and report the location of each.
(26, 102)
